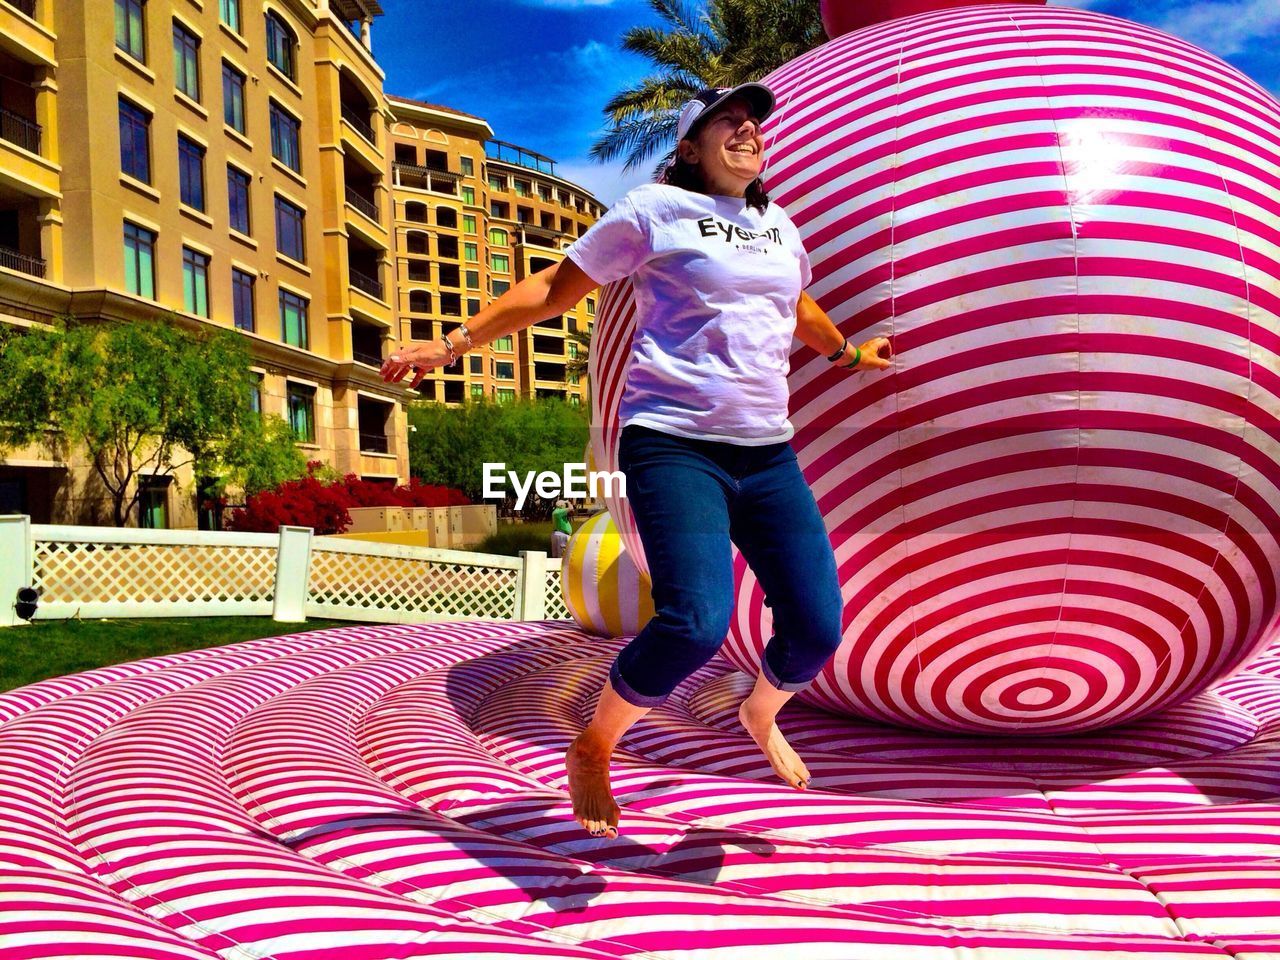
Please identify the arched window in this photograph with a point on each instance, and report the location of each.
(420, 301)
(417, 212)
(497, 237)
(282, 42)
(416, 242)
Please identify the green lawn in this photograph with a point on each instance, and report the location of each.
(53, 648)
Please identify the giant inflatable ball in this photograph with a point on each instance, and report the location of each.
(1057, 512)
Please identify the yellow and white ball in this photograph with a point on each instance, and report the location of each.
(605, 593)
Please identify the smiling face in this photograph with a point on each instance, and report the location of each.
(727, 148)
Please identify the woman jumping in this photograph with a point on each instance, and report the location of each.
(718, 273)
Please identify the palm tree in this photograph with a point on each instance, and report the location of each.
(716, 43)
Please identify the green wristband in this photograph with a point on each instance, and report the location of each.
(857, 358)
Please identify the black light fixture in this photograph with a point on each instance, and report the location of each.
(27, 602)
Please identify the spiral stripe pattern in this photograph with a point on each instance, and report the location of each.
(377, 792)
(1058, 510)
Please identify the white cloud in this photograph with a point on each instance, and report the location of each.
(1225, 28)
(607, 181)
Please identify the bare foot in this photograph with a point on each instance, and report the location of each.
(785, 761)
(593, 804)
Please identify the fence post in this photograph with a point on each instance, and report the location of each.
(15, 542)
(293, 573)
(531, 586)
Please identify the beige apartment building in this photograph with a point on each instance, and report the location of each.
(474, 215)
(230, 163)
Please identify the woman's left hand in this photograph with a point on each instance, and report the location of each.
(875, 354)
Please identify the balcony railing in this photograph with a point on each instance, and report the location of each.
(425, 178)
(370, 285)
(13, 260)
(359, 123)
(19, 130)
(25, 6)
(363, 204)
(375, 442)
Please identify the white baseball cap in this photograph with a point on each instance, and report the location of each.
(757, 94)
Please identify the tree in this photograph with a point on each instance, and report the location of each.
(143, 397)
(450, 445)
(717, 44)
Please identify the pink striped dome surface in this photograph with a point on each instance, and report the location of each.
(393, 792)
(1057, 511)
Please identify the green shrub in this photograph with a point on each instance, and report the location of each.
(514, 537)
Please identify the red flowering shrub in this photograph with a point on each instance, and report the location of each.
(418, 494)
(310, 502)
(304, 503)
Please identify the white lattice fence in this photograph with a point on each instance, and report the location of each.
(107, 572)
(381, 582)
(556, 610)
(97, 572)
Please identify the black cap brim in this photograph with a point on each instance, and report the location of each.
(757, 94)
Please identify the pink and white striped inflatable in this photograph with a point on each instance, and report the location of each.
(394, 792)
(1058, 511)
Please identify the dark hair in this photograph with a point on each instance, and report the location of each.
(688, 176)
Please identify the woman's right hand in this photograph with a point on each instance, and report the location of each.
(420, 358)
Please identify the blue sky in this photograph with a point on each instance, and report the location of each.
(541, 70)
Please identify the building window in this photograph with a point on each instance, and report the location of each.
(497, 182)
(468, 166)
(471, 252)
(469, 223)
(195, 282)
(500, 262)
(190, 172)
(420, 301)
(242, 300)
(473, 279)
(477, 391)
(469, 196)
(500, 210)
(522, 188)
(500, 287)
(574, 399)
(477, 363)
(139, 261)
(131, 29)
(591, 307)
(302, 412)
(281, 42)
(473, 307)
(497, 237)
(135, 149)
(505, 394)
(284, 138)
(502, 343)
(255, 395)
(293, 320)
(573, 350)
(229, 11)
(504, 370)
(289, 230)
(232, 97)
(238, 199)
(186, 61)
(153, 503)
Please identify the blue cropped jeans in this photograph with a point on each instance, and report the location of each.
(690, 498)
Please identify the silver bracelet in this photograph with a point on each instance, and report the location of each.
(466, 335)
(453, 357)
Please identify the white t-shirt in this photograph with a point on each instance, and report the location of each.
(716, 286)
